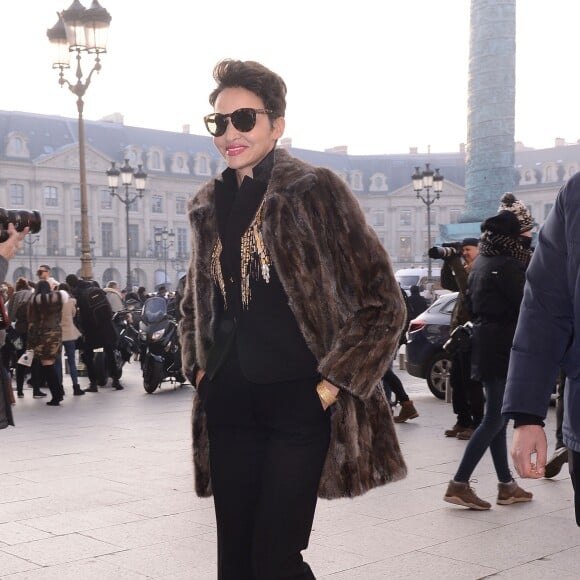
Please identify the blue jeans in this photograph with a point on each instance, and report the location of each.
(490, 433)
(69, 347)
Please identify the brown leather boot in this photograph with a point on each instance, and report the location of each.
(408, 411)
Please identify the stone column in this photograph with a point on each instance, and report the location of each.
(489, 170)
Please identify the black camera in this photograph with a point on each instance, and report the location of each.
(459, 340)
(445, 250)
(21, 218)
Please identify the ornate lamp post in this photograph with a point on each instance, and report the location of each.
(30, 241)
(127, 173)
(83, 31)
(164, 239)
(425, 180)
(92, 244)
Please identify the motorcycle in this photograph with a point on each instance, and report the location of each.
(127, 346)
(160, 347)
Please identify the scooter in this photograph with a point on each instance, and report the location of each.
(160, 347)
(127, 346)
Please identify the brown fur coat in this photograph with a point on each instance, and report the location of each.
(348, 305)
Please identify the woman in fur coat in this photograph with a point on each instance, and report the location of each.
(45, 335)
(291, 315)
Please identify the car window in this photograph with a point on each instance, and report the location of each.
(448, 308)
(408, 281)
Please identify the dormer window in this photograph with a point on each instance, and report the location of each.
(202, 165)
(17, 146)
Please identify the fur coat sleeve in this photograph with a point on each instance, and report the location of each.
(336, 273)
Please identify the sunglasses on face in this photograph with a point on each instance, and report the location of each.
(243, 120)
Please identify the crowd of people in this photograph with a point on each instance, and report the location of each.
(52, 320)
(291, 316)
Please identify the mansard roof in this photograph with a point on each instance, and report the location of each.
(46, 134)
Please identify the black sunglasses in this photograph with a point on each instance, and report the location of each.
(243, 120)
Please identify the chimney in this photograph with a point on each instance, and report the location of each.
(462, 148)
(340, 149)
(286, 143)
(413, 150)
(186, 128)
(559, 142)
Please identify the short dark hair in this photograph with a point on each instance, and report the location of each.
(254, 77)
(72, 280)
(21, 284)
(44, 266)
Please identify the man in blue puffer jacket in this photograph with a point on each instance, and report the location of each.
(547, 339)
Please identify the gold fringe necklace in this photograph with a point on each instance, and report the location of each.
(255, 260)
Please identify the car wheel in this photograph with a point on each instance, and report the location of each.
(438, 371)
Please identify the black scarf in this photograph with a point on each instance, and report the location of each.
(493, 244)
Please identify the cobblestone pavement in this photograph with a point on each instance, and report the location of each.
(101, 488)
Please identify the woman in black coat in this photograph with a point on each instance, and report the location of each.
(495, 290)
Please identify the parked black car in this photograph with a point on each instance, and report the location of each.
(426, 336)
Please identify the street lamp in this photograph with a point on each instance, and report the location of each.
(164, 239)
(30, 241)
(425, 180)
(84, 31)
(126, 172)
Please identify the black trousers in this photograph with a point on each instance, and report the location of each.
(467, 395)
(574, 467)
(268, 443)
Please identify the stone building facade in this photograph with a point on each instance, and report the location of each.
(39, 169)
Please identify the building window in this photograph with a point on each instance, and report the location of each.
(52, 237)
(378, 182)
(16, 194)
(547, 209)
(78, 237)
(133, 240)
(405, 217)
(405, 247)
(134, 205)
(201, 165)
(106, 199)
(379, 218)
(50, 196)
(17, 146)
(430, 216)
(155, 160)
(107, 238)
(356, 181)
(454, 216)
(76, 197)
(156, 204)
(181, 243)
(180, 206)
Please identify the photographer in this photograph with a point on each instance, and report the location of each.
(8, 249)
(466, 393)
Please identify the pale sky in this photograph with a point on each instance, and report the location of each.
(379, 77)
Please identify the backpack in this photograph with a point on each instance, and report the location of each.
(97, 307)
(96, 316)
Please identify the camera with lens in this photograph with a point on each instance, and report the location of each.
(460, 339)
(446, 250)
(21, 218)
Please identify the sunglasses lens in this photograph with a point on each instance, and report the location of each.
(244, 120)
(216, 124)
